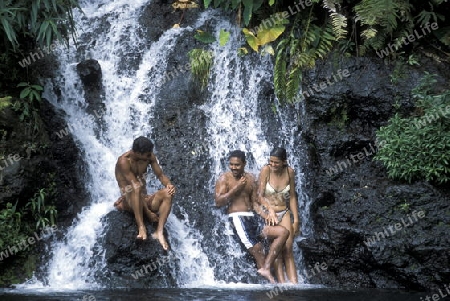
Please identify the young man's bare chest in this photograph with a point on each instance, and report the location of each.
(138, 167)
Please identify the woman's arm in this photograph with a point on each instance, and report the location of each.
(271, 217)
(293, 202)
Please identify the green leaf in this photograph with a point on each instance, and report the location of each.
(235, 3)
(271, 34)
(251, 39)
(248, 11)
(224, 36)
(271, 2)
(37, 87)
(204, 37)
(9, 30)
(25, 92)
(242, 51)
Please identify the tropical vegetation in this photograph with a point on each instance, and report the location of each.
(298, 33)
(27, 28)
(418, 146)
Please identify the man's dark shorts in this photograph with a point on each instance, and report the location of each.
(247, 226)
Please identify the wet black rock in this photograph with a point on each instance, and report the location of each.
(366, 227)
(131, 262)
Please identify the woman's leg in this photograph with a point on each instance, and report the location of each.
(287, 252)
(278, 268)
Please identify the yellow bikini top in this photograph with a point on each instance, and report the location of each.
(271, 191)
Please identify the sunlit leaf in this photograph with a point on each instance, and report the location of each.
(224, 36)
(251, 39)
(270, 34)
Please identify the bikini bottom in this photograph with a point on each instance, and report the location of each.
(280, 214)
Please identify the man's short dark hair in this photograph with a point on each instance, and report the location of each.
(237, 154)
(142, 145)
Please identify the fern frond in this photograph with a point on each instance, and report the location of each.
(279, 76)
(293, 84)
(338, 20)
(424, 17)
(369, 33)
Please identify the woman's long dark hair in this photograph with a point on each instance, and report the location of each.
(279, 152)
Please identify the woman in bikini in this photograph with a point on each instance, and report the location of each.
(276, 190)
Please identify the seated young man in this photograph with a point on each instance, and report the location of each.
(131, 168)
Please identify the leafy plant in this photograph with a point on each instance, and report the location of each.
(265, 34)
(201, 62)
(11, 225)
(298, 53)
(5, 102)
(44, 20)
(419, 148)
(44, 214)
(224, 37)
(250, 7)
(28, 104)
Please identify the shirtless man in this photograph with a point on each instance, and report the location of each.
(131, 168)
(237, 189)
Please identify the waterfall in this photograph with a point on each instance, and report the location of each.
(235, 122)
(125, 117)
(233, 110)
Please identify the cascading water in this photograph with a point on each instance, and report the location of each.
(126, 116)
(234, 123)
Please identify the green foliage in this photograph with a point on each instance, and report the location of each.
(11, 224)
(5, 102)
(338, 20)
(224, 37)
(268, 31)
(249, 7)
(28, 105)
(204, 37)
(44, 215)
(298, 53)
(419, 148)
(380, 18)
(201, 62)
(44, 20)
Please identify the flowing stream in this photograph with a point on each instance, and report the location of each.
(234, 123)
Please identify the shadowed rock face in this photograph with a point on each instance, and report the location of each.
(356, 202)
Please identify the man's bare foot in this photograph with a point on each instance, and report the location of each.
(153, 217)
(266, 274)
(119, 203)
(142, 233)
(162, 240)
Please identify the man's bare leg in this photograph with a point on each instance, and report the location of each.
(257, 252)
(137, 207)
(152, 216)
(162, 203)
(279, 235)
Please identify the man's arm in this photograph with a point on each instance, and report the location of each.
(157, 170)
(223, 195)
(257, 207)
